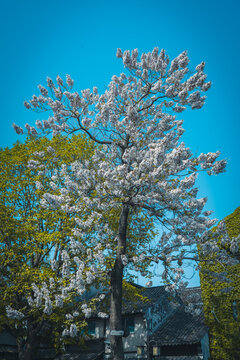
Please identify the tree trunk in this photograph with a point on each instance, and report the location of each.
(25, 348)
(116, 288)
(20, 346)
(28, 351)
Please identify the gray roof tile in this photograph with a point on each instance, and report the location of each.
(152, 294)
(80, 356)
(190, 357)
(180, 328)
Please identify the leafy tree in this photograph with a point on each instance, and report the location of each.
(220, 282)
(143, 168)
(33, 240)
(31, 236)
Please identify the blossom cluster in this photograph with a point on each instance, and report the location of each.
(14, 314)
(140, 163)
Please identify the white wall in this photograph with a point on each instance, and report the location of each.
(139, 337)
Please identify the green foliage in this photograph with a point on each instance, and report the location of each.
(31, 235)
(133, 294)
(222, 301)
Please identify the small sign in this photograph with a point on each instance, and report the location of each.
(116, 332)
(156, 350)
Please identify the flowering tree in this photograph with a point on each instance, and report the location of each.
(143, 168)
(31, 237)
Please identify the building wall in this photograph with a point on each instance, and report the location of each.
(130, 343)
(158, 313)
(145, 324)
(7, 339)
(138, 338)
(205, 347)
(99, 330)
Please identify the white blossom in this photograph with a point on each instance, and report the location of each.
(27, 105)
(69, 81)
(124, 260)
(58, 301)
(65, 332)
(102, 315)
(68, 316)
(51, 282)
(102, 296)
(140, 163)
(73, 330)
(14, 314)
(18, 129)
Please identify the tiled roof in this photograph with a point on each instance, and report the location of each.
(152, 294)
(193, 290)
(190, 357)
(81, 356)
(192, 294)
(8, 348)
(180, 328)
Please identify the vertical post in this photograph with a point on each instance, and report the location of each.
(148, 347)
(116, 288)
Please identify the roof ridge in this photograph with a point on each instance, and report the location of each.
(193, 287)
(151, 287)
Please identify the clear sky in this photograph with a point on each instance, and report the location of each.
(80, 38)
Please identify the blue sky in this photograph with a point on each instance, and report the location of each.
(46, 38)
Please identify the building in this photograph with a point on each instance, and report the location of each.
(158, 329)
(155, 327)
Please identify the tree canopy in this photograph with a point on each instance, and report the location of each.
(143, 168)
(220, 284)
(31, 237)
